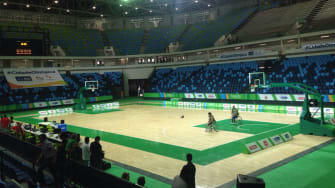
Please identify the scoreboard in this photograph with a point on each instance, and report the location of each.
(20, 45)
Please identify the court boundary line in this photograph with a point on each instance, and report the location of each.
(278, 164)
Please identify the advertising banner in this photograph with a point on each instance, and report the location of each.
(199, 95)
(253, 147)
(43, 113)
(276, 139)
(68, 101)
(40, 104)
(60, 110)
(54, 103)
(299, 97)
(319, 46)
(189, 95)
(180, 103)
(52, 111)
(283, 97)
(242, 54)
(265, 143)
(210, 96)
(266, 97)
(30, 78)
(287, 136)
(226, 106)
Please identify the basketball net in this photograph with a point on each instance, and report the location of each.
(92, 88)
(252, 88)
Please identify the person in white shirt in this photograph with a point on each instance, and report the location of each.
(86, 154)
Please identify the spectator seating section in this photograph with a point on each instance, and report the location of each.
(163, 80)
(275, 21)
(159, 38)
(205, 34)
(75, 81)
(74, 41)
(316, 71)
(126, 42)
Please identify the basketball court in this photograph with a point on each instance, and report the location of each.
(146, 138)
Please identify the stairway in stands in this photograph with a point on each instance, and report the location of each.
(144, 40)
(188, 26)
(315, 11)
(245, 22)
(105, 38)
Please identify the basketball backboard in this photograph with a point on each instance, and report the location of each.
(92, 85)
(257, 79)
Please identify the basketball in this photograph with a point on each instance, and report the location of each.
(182, 116)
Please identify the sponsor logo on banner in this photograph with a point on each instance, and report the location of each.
(287, 136)
(265, 143)
(283, 97)
(189, 95)
(68, 101)
(40, 104)
(68, 110)
(242, 54)
(198, 104)
(242, 106)
(210, 96)
(299, 97)
(60, 110)
(266, 97)
(253, 147)
(319, 46)
(43, 113)
(199, 95)
(109, 105)
(192, 104)
(186, 103)
(31, 78)
(96, 106)
(52, 111)
(276, 139)
(116, 104)
(251, 106)
(226, 106)
(180, 104)
(328, 110)
(54, 103)
(291, 108)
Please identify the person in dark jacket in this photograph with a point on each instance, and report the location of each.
(188, 172)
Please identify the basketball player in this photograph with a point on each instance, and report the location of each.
(211, 122)
(234, 114)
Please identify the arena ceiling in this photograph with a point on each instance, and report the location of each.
(111, 8)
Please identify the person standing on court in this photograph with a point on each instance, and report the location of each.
(96, 153)
(234, 114)
(188, 172)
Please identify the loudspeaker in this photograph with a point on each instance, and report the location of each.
(46, 119)
(62, 121)
(244, 181)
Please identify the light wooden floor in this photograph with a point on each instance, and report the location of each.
(165, 125)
